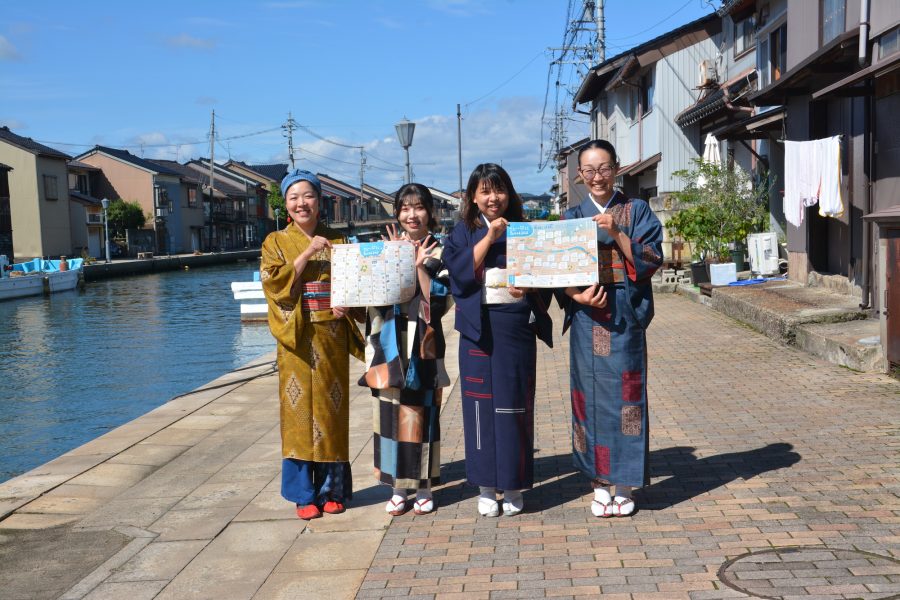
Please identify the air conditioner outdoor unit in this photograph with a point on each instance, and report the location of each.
(763, 251)
(708, 73)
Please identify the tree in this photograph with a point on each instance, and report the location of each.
(124, 215)
(276, 200)
(720, 206)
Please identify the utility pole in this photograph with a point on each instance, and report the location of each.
(289, 128)
(212, 172)
(362, 170)
(601, 32)
(459, 147)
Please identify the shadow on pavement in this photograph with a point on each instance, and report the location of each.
(688, 477)
(691, 476)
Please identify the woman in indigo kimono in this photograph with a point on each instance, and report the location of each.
(315, 341)
(498, 326)
(608, 346)
(405, 357)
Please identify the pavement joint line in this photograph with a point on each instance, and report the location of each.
(101, 573)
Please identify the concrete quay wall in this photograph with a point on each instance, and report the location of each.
(122, 268)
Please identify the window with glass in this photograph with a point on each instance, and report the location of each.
(50, 188)
(744, 34)
(192, 197)
(771, 55)
(832, 13)
(889, 43)
(647, 92)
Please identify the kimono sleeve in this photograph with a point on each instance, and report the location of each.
(646, 241)
(459, 256)
(277, 275)
(465, 282)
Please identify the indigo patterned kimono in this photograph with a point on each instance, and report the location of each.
(608, 350)
(405, 359)
(497, 360)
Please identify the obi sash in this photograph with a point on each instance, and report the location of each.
(316, 295)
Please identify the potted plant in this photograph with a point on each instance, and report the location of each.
(719, 208)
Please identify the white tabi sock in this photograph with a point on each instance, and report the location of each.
(602, 495)
(488, 493)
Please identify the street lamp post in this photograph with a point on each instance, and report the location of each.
(277, 215)
(405, 129)
(105, 203)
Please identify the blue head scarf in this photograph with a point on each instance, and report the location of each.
(300, 175)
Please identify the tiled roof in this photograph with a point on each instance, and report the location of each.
(128, 157)
(274, 172)
(185, 171)
(84, 198)
(29, 144)
(75, 164)
(221, 184)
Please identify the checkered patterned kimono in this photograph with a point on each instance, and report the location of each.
(608, 350)
(405, 357)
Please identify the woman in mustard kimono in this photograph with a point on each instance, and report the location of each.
(315, 341)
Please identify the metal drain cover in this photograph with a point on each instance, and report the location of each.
(800, 572)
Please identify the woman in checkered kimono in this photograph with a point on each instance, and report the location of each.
(405, 357)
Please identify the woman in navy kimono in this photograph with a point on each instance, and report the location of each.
(498, 326)
(608, 346)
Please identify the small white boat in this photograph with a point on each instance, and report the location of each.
(248, 291)
(37, 277)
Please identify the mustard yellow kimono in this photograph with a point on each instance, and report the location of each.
(313, 349)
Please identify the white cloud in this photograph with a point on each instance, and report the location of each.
(8, 51)
(508, 133)
(188, 41)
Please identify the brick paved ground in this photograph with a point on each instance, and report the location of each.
(754, 447)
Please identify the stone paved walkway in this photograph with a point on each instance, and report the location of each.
(754, 446)
(773, 473)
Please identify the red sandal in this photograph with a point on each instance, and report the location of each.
(310, 511)
(333, 508)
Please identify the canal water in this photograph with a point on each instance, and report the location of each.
(77, 364)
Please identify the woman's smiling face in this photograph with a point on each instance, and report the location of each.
(302, 204)
(491, 201)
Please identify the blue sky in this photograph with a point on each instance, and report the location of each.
(129, 73)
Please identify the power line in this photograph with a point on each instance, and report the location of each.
(171, 145)
(324, 139)
(536, 56)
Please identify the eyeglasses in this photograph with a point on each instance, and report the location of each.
(589, 174)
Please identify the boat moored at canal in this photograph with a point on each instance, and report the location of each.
(38, 276)
(247, 292)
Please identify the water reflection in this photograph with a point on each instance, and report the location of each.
(77, 364)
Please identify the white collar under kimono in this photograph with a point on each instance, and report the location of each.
(602, 208)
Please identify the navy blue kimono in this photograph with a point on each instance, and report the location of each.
(608, 350)
(497, 358)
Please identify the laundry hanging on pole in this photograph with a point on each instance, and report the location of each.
(812, 174)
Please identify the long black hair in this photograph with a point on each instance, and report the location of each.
(497, 179)
(416, 190)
